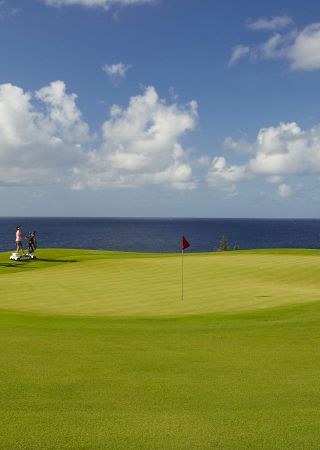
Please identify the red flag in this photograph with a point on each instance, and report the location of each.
(185, 243)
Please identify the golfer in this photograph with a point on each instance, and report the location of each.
(32, 242)
(19, 237)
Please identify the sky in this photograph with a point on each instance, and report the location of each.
(160, 108)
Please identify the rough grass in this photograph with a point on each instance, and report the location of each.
(235, 367)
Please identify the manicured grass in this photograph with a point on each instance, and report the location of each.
(236, 366)
(104, 283)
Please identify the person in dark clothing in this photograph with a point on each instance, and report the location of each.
(32, 242)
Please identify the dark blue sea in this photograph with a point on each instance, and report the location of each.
(162, 235)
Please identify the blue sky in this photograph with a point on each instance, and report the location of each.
(159, 108)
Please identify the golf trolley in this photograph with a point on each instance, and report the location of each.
(32, 244)
(22, 257)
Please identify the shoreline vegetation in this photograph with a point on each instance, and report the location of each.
(98, 350)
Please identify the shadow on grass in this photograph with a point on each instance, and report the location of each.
(57, 260)
(25, 263)
(13, 265)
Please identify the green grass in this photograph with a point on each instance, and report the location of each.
(97, 351)
(96, 283)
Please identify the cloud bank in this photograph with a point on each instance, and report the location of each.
(141, 145)
(106, 4)
(39, 145)
(284, 150)
(44, 140)
(300, 49)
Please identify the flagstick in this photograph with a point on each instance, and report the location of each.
(182, 276)
(184, 244)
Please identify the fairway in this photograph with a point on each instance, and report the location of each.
(98, 351)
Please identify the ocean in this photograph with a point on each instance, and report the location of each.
(162, 235)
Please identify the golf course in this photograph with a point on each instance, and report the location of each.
(100, 351)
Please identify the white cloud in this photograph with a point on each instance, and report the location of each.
(275, 23)
(274, 179)
(239, 52)
(38, 146)
(141, 145)
(44, 140)
(62, 115)
(285, 191)
(202, 161)
(116, 72)
(106, 4)
(304, 53)
(238, 146)
(287, 149)
(301, 49)
(279, 151)
(274, 48)
(225, 177)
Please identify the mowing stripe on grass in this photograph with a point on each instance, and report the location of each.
(103, 283)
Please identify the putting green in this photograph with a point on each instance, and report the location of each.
(94, 283)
